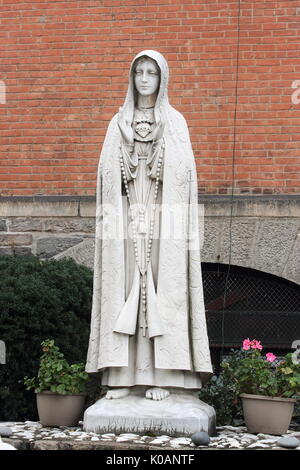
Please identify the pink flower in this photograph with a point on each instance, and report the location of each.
(270, 357)
(246, 344)
(256, 344)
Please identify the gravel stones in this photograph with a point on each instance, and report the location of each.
(32, 435)
(200, 438)
(3, 227)
(289, 442)
(5, 431)
(4, 446)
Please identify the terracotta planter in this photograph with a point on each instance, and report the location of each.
(59, 410)
(268, 415)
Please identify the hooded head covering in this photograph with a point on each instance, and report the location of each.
(162, 100)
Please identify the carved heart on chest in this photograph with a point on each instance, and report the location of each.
(143, 129)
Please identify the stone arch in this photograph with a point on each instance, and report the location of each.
(257, 234)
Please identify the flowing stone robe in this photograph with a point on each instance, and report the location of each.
(174, 352)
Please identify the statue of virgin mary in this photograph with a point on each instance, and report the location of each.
(148, 326)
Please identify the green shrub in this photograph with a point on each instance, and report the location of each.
(38, 300)
(221, 393)
(257, 373)
(55, 374)
(246, 371)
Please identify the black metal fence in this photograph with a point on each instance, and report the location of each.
(245, 303)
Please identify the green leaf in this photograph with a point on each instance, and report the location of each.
(61, 389)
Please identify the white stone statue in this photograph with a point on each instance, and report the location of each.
(148, 326)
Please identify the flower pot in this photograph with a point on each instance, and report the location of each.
(59, 410)
(269, 415)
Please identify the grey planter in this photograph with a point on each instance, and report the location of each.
(268, 415)
(60, 410)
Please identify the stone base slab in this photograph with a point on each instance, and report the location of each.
(180, 414)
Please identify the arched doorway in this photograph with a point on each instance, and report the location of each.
(257, 305)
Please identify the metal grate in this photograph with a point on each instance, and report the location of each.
(258, 305)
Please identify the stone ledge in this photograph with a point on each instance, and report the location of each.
(201, 196)
(215, 205)
(251, 206)
(41, 208)
(33, 436)
(73, 445)
(9, 239)
(58, 198)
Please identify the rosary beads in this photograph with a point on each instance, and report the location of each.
(142, 230)
(142, 212)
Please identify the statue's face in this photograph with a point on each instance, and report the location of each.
(146, 77)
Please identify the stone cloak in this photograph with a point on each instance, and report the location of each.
(180, 300)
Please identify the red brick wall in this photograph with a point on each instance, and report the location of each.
(64, 65)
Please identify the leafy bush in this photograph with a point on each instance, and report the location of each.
(38, 300)
(221, 393)
(55, 374)
(246, 370)
(259, 374)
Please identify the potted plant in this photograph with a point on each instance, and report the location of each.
(59, 387)
(268, 387)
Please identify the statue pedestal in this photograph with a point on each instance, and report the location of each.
(180, 414)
